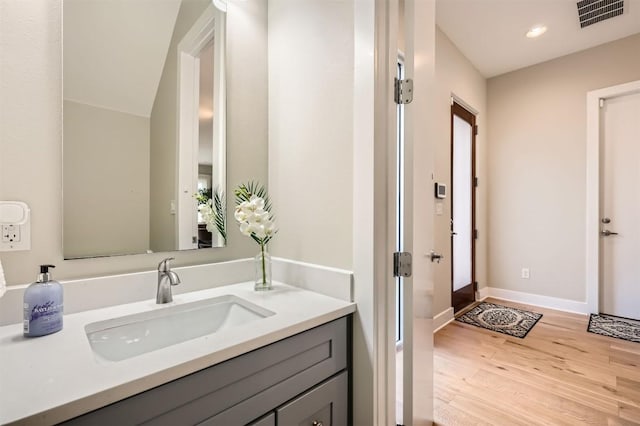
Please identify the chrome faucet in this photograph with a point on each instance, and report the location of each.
(166, 279)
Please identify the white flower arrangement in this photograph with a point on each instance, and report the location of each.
(253, 214)
(213, 211)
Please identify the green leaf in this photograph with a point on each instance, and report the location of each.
(220, 212)
(244, 191)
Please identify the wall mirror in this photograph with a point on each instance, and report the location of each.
(144, 125)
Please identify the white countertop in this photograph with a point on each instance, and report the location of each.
(49, 379)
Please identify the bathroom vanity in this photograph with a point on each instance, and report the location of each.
(299, 380)
(291, 363)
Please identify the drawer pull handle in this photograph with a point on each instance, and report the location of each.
(316, 423)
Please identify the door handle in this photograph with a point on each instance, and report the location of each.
(435, 257)
(606, 233)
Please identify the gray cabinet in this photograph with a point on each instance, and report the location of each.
(324, 405)
(276, 384)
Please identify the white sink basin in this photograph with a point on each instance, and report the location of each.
(125, 337)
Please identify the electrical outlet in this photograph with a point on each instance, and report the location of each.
(10, 234)
(15, 225)
(525, 273)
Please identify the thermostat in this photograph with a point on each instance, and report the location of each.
(441, 190)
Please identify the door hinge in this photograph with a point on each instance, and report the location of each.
(403, 91)
(194, 240)
(475, 130)
(475, 182)
(402, 264)
(475, 286)
(475, 234)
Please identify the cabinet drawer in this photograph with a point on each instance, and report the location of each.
(324, 405)
(239, 390)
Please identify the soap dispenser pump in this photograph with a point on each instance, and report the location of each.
(43, 306)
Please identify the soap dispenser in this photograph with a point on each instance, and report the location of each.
(43, 305)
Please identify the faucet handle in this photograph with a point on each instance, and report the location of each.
(164, 265)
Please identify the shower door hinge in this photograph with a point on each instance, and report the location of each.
(475, 234)
(402, 264)
(475, 130)
(403, 91)
(475, 181)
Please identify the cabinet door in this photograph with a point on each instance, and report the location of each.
(324, 405)
(268, 420)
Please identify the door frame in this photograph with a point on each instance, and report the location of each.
(463, 109)
(373, 384)
(592, 230)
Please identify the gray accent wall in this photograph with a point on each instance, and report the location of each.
(106, 159)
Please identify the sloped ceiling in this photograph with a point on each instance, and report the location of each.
(114, 51)
(491, 33)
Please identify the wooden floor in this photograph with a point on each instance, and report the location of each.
(558, 375)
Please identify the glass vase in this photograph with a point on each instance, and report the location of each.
(263, 271)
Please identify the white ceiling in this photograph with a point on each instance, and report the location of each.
(491, 33)
(114, 51)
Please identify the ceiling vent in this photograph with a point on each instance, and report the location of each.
(593, 11)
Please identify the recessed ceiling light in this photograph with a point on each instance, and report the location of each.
(536, 31)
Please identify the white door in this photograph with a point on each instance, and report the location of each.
(419, 205)
(620, 208)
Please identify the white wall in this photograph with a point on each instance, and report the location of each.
(106, 160)
(31, 133)
(320, 56)
(456, 75)
(311, 129)
(536, 165)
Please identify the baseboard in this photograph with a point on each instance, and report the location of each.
(482, 293)
(556, 303)
(442, 319)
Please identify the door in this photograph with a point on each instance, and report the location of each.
(399, 247)
(417, 214)
(620, 206)
(462, 207)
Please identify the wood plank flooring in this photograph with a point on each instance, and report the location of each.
(558, 375)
